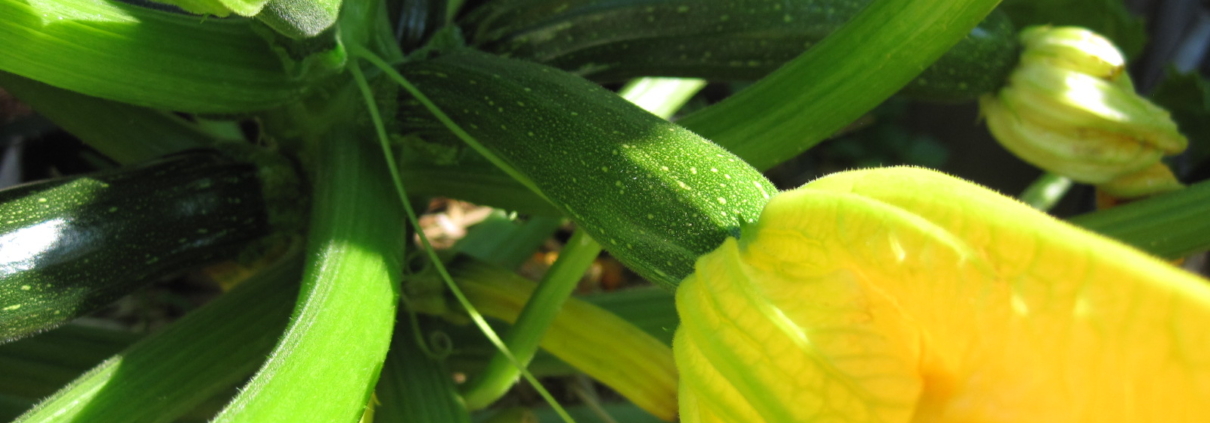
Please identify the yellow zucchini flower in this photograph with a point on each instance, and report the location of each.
(1069, 107)
(905, 295)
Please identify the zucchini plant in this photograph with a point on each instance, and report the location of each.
(366, 109)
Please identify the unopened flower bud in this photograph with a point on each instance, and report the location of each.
(1070, 108)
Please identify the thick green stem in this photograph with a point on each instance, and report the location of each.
(1170, 225)
(165, 375)
(328, 361)
(1046, 191)
(839, 79)
(523, 338)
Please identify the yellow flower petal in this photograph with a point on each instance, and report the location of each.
(904, 295)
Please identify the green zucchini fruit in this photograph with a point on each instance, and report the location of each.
(71, 245)
(651, 192)
(611, 40)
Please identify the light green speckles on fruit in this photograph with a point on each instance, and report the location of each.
(682, 9)
(113, 209)
(12, 307)
(693, 170)
(41, 200)
(26, 287)
(722, 200)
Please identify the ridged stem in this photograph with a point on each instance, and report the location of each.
(837, 80)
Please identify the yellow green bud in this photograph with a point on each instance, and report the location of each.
(1070, 108)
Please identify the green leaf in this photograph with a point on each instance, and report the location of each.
(1187, 97)
(125, 133)
(145, 57)
(1106, 17)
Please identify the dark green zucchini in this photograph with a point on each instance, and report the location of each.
(651, 192)
(611, 40)
(71, 245)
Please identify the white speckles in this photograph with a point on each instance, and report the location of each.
(714, 169)
(26, 287)
(761, 188)
(664, 168)
(728, 176)
(722, 200)
(693, 170)
(682, 185)
(12, 307)
(41, 200)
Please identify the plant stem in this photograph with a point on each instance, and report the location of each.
(328, 361)
(1170, 225)
(837, 80)
(165, 375)
(523, 338)
(1046, 191)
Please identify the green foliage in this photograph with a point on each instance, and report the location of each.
(1107, 17)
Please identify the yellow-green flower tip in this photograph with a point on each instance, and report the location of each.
(904, 295)
(1156, 179)
(1070, 108)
